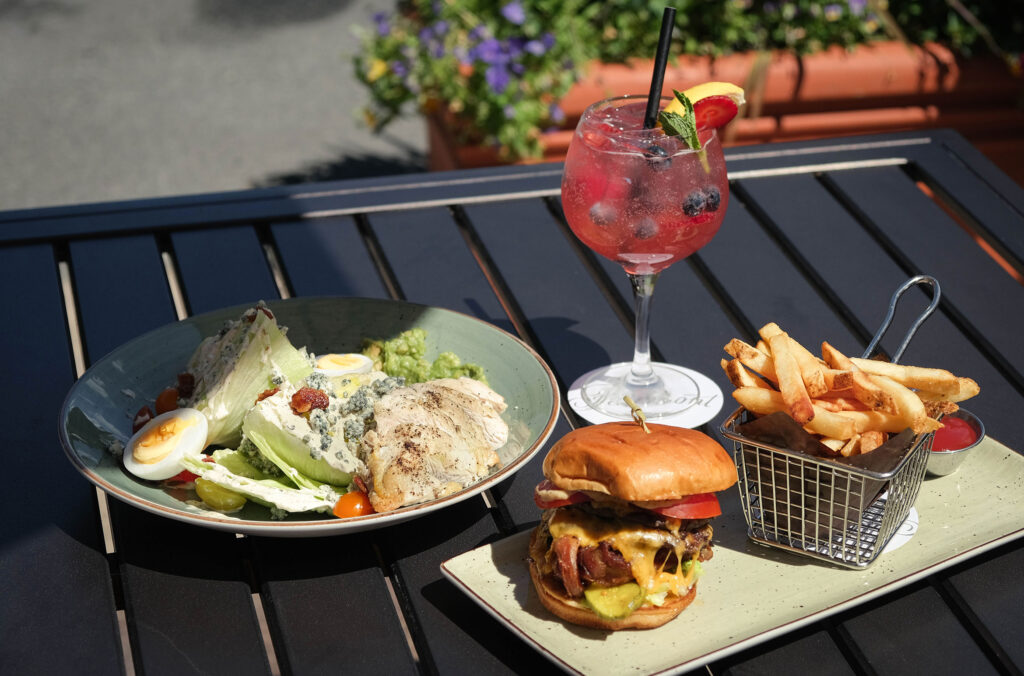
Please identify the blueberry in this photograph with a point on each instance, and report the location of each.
(603, 214)
(714, 198)
(645, 229)
(657, 157)
(695, 203)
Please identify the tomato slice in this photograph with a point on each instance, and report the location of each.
(542, 496)
(700, 506)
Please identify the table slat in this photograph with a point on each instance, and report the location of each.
(327, 257)
(53, 571)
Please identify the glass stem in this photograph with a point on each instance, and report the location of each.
(641, 372)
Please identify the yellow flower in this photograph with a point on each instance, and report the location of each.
(377, 69)
(369, 118)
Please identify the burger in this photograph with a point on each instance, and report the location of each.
(625, 528)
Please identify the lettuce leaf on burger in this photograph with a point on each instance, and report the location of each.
(625, 526)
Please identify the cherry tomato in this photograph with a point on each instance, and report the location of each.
(543, 503)
(182, 477)
(700, 506)
(954, 434)
(167, 400)
(352, 504)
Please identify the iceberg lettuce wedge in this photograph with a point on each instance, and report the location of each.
(288, 451)
(272, 493)
(248, 356)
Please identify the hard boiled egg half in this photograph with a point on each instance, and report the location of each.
(155, 451)
(335, 365)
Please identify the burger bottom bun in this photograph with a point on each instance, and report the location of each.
(552, 595)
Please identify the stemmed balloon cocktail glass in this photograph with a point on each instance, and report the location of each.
(645, 200)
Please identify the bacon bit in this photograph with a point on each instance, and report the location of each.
(144, 415)
(251, 316)
(186, 385)
(167, 400)
(267, 393)
(360, 484)
(307, 399)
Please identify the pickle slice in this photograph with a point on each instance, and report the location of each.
(615, 603)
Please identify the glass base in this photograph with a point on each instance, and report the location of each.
(679, 396)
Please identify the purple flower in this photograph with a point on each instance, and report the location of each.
(426, 34)
(833, 12)
(383, 27)
(517, 68)
(497, 77)
(857, 7)
(510, 111)
(477, 32)
(535, 47)
(441, 28)
(556, 114)
(489, 51)
(514, 12)
(399, 68)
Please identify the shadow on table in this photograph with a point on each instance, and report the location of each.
(348, 166)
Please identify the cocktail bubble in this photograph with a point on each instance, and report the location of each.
(603, 214)
(645, 229)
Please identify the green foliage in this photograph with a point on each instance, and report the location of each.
(500, 68)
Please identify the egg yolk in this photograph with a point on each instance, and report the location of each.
(338, 361)
(157, 443)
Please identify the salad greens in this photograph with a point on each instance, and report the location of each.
(232, 368)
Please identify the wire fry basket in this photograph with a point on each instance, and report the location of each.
(822, 508)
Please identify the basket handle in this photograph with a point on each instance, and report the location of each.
(913, 281)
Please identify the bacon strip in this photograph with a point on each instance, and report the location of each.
(566, 548)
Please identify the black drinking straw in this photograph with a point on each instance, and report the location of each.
(668, 20)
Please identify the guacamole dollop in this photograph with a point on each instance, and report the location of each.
(405, 356)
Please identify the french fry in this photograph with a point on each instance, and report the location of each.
(837, 380)
(791, 383)
(966, 388)
(916, 377)
(832, 444)
(871, 440)
(851, 447)
(760, 402)
(739, 376)
(829, 424)
(751, 357)
(811, 368)
(864, 389)
(908, 405)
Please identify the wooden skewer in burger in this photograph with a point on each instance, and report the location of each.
(625, 526)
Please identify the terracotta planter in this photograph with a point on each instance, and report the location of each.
(883, 87)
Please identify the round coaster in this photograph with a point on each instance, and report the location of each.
(702, 398)
(904, 532)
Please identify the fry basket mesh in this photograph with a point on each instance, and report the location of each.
(821, 508)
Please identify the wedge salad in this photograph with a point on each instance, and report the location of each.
(255, 418)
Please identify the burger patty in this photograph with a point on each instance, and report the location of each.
(603, 566)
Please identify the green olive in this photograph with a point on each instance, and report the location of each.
(218, 497)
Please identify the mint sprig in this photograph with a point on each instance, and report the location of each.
(684, 125)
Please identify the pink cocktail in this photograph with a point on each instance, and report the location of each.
(645, 200)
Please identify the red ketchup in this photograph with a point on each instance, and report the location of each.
(954, 434)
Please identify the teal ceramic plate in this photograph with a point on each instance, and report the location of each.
(99, 408)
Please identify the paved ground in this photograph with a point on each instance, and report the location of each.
(118, 99)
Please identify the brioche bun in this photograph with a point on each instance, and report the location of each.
(552, 595)
(623, 461)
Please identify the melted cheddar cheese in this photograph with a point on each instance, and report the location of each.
(638, 546)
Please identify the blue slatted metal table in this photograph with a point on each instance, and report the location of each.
(817, 236)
